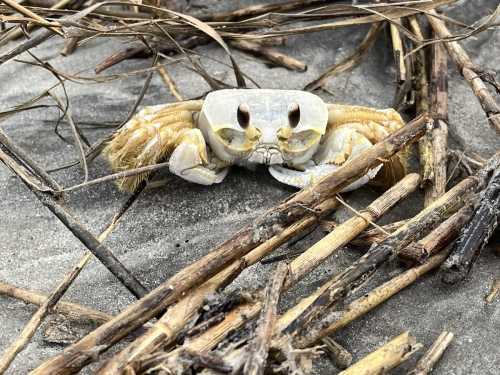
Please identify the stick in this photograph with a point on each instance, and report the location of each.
(349, 62)
(69, 46)
(300, 267)
(435, 352)
(30, 14)
(263, 228)
(257, 357)
(469, 71)
(166, 330)
(475, 235)
(385, 358)
(421, 250)
(397, 47)
(269, 54)
(72, 310)
(421, 84)
(412, 230)
(374, 298)
(439, 133)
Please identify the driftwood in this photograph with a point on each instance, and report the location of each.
(385, 358)
(495, 290)
(475, 235)
(263, 228)
(435, 352)
(471, 72)
(259, 348)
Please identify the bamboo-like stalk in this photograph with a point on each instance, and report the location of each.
(53, 26)
(431, 357)
(303, 320)
(385, 358)
(421, 85)
(370, 236)
(397, 47)
(349, 62)
(377, 296)
(341, 235)
(476, 234)
(439, 132)
(259, 348)
(165, 331)
(471, 73)
(72, 310)
(270, 54)
(421, 250)
(263, 228)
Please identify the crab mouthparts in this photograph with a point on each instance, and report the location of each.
(266, 154)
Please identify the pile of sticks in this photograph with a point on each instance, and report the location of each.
(180, 327)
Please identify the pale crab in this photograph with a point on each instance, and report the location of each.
(298, 136)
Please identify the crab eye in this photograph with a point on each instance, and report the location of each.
(293, 115)
(243, 115)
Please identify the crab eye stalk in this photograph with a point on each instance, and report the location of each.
(243, 115)
(293, 115)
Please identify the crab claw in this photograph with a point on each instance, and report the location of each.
(312, 173)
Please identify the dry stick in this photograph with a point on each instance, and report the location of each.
(259, 348)
(72, 310)
(301, 266)
(411, 231)
(376, 297)
(469, 71)
(270, 54)
(435, 352)
(263, 228)
(421, 250)
(169, 82)
(421, 85)
(54, 297)
(385, 358)
(397, 47)
(349, 62)
(370, 236)
(476, 234)
(379, 295)
(439, 133)
(101, 251)
(166, 330)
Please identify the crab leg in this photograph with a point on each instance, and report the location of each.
(164, 132)
(351, 129)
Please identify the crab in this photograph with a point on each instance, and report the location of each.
(294, 133)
